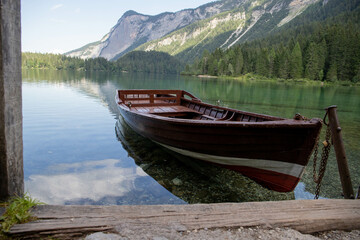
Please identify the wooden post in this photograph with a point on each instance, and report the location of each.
(340, 153)
(11, 144)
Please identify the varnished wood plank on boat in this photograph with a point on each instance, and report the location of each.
(306, 216)
(142, 109)
(179, 108)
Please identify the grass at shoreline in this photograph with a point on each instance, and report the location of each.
(17, 210)
(254, 77)
(249, 77)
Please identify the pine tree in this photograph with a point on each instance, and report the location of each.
(271, 63)
(331, 75)
(239, 62)
(283, 63)
(213, 67)
(296, 65)
(261, 65)
(222, 67)
(312, 61)
(356, 77)
(230, 70)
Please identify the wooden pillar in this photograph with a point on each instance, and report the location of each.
(340, 153)
(11, 145)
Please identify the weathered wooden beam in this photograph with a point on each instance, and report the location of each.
(340, 153)
(11, 145)
(306, 216)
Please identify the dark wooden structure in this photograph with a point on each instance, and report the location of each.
(306, 216)
(271, 150)
(340, 153)
(11, 144)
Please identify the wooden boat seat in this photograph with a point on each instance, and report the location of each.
(207, 117)
(167, 111)
(226, 117)
(176, 112)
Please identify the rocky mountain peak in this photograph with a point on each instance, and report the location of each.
(129, 13)
(229, 21)
(134, 29)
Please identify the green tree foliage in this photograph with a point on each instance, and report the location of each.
(271, 63)
(296, 62)
(356, 78)
(332, 73)
(151, 61)
(314, 60)
(98, 64)
(154, 62)
(50, 61)
(327, 49)
(283, 63)
(61, 62)
(262, 62)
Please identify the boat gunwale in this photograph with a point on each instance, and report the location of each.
(270, 124)
(273, 122)
(193, 99)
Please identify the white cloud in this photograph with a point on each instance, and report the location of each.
(95, 180)
(56, 6)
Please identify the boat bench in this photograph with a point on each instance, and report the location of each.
(228, 117)
(181, 111)
(167, 111)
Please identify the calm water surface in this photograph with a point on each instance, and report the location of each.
(77, 150)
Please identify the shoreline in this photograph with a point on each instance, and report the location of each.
(254, 77)
(246, 77)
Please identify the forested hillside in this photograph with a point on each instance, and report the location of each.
(62, 62)
(50, 61)
(318, 50)
(152, 62)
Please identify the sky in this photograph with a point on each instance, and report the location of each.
(59, 26)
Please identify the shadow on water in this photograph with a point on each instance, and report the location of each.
(191, 180)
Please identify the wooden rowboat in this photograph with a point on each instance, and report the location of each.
(270, 150)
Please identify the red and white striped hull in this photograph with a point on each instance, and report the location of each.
(276, 175)
(278, 167)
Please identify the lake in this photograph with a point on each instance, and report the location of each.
(78, 150)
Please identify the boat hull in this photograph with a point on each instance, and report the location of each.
(272, 153)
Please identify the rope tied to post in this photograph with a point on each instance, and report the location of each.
(324, 157)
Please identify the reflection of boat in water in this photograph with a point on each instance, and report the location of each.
(189, 179)
(273, 151)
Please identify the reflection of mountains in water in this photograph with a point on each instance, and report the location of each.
(192, 180)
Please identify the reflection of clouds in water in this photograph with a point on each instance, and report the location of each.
(301, 193)
(92, 180)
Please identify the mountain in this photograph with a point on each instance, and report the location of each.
(134, 29)
(220, 24)
(321, 44)
(249, 21)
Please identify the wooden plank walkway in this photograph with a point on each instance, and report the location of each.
(306, 216)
